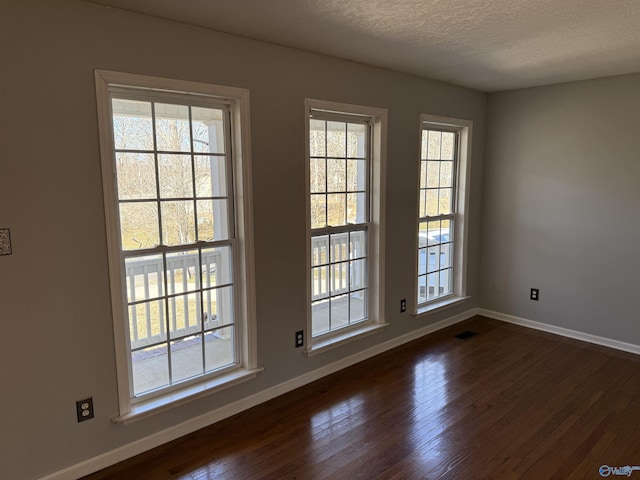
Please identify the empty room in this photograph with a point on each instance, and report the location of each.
(319, 240)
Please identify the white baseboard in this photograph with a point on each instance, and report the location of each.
(172, 433)
(564, 332)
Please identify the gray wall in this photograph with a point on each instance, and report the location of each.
(562, 206)
(54, 292)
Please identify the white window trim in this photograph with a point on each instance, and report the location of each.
(461, 225)
(238, 100)
(376, 232)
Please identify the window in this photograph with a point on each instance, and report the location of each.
(442, 219)
(345, 189)
(179, 237)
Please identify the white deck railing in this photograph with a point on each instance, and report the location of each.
(145, 281)
(338, 247)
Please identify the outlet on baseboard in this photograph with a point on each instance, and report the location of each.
(535, 294)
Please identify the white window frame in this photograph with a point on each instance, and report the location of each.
(378, 118)
(464, 129)
(246, 368)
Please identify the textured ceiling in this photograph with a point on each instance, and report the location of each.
(488, 45)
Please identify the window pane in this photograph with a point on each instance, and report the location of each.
(216, 266)
(176, 176)
(136, 176)
(336, 175)
(446, 174)
(434, 145)
(144, 277)
(147, 323)
(357, 274)
(178, 222)
(218, 304)
(339, 311)
(445, 206)
(319, 250)
(336, 209)
(432, 202)
(448, 139)
(422, 261)
(219, 348)
(433, 285)
(172, 128)
(318, 211)
(318, 175)
(446, 231)
(209, 313)
(208, 130)
(317, 138)
(358, 306)
(339, 247)
(336, 139)
(356, 175)
(319, 282)
(339, 278)
(356, 208)
(433, 259)
(132, 126)
(185, 316)
(424, 150)
(445, 282)
(213, 220)
(150, 369)
(211, 179)
(422, 289)
(356, 140)
(320, 317)
(433, 174)
(446, 252)
(423, 234)
(139, 226)
(423, 203)
(423, 174)
(186, 358)
(182, 272)
(357, 244)
(433, 232)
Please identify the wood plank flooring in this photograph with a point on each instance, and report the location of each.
(508, 403)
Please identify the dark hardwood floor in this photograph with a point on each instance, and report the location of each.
(507, 403)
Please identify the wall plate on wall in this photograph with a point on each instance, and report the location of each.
(5, 241)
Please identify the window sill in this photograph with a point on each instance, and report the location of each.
(438, 306)
(170, 400)
(323, 344)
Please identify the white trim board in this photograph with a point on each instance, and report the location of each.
(172, 433)
(564, 332)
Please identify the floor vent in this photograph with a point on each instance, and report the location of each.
(466, 334)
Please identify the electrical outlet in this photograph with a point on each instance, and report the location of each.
(299, 338)
(403, 305)
(535, 294)
(495, 287)
(84, 409)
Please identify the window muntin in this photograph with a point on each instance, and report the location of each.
(339, 186)
(437, 213)
(177, 238)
